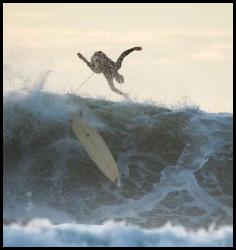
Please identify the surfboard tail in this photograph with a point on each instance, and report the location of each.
(118, 183)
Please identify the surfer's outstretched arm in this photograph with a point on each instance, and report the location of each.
(91, 66)
(124, 54)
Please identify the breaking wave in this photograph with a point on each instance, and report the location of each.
(41, 232)
(176, 166)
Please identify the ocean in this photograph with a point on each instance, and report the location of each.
(176, 166)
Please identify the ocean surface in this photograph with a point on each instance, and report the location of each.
(176, 168)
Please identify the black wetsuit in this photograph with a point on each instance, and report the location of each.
(100, 63)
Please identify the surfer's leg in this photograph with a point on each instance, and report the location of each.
(114, 89)
(119, 78)
(109, 78)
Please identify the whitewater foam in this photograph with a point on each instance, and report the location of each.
(41, 232)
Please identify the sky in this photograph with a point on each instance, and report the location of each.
(187, 51)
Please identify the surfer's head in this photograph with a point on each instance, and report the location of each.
(119, 78)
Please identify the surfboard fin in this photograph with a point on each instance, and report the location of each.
(118, 183)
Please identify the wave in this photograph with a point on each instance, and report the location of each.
(175, 164)
(42, 233)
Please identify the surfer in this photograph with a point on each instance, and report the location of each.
(100, 63)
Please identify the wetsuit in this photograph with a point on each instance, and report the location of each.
(100, 63)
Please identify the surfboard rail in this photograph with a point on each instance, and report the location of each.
(95, 147)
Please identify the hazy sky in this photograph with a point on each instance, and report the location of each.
(187, 48)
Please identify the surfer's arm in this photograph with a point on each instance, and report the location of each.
(124, 54)
(90, 65)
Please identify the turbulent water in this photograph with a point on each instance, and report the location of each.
(40, 232)
(176, 166)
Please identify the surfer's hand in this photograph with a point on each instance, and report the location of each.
(138, 48)
(79, 55)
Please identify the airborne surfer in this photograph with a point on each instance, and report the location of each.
(100, 63)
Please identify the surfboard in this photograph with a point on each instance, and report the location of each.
(96, 148)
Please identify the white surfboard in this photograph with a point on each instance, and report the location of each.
(96, 148)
